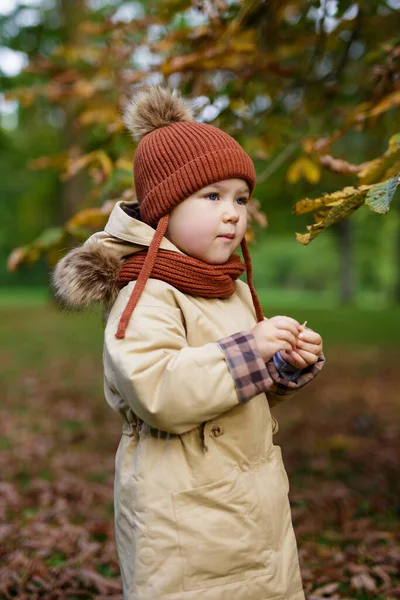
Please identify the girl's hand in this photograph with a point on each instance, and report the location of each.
(307, 351)
(277, 333)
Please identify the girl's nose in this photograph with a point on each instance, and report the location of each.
(231, 215)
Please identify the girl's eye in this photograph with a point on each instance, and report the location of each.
(212, 196)
(243, 200)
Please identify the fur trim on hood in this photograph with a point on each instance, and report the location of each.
(89, 274)
(85, 276)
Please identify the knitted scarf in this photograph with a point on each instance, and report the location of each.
(186, 273)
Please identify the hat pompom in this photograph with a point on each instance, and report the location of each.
(152, 107)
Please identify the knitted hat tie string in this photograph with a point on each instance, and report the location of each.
(249, 276)
(143, 277)
(186, 273)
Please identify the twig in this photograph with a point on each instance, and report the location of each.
(277, 162)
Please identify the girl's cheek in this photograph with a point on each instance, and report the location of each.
(193, 232)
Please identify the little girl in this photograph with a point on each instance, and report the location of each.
(193, 367)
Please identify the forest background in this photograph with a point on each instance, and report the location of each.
(311, 89)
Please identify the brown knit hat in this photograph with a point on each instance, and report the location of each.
(175, 157)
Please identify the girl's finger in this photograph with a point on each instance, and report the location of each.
(313, 348)
(293, 358)
(286, 325)
(310, 336)
(287, 321)
(310, 358)
(285, 347)
(287, 336)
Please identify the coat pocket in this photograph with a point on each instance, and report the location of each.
(222, 534)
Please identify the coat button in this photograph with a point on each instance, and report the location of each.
(217, 430)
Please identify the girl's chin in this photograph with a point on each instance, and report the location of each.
(211, 256)
(219, 259)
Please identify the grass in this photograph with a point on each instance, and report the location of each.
(24, 296)
(354, 325)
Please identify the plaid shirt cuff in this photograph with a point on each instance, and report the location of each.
(283, 387)
(284, 368)
(246, 365)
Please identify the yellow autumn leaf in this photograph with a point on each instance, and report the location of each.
(311, 171)
(338, 212)
(16, 258)
(245, 41)
(91, 28)
(47, 162)
(181, 62)
(318, 145)
(84, 89)
(308, 145)
(237, 104)
(32, 255)
(103, 114)
(249, 235)
(124, 164)
(73, 53)
(390, 101)
(227, 61)
(26, 96)
(75, 165)
(303, 167)
(385, 166)
(312, 204)
(89, 217)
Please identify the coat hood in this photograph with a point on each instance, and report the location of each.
(89, 273)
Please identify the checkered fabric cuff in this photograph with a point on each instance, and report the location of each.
(283, 387)
(246, 365)
(285, 369)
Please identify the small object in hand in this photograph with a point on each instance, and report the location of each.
(303, 328)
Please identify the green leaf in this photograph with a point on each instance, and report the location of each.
(49, 238)
(48, 241)
(380, 195)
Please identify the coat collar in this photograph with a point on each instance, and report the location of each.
(89, 274)
(123, 225)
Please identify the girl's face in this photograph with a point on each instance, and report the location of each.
(211, 223)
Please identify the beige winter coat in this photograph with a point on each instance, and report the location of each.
(201, 493)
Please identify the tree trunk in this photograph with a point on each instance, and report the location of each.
(72, 14)
(344, 236)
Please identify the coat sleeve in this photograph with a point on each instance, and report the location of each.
(171, 385)
(282, 387)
